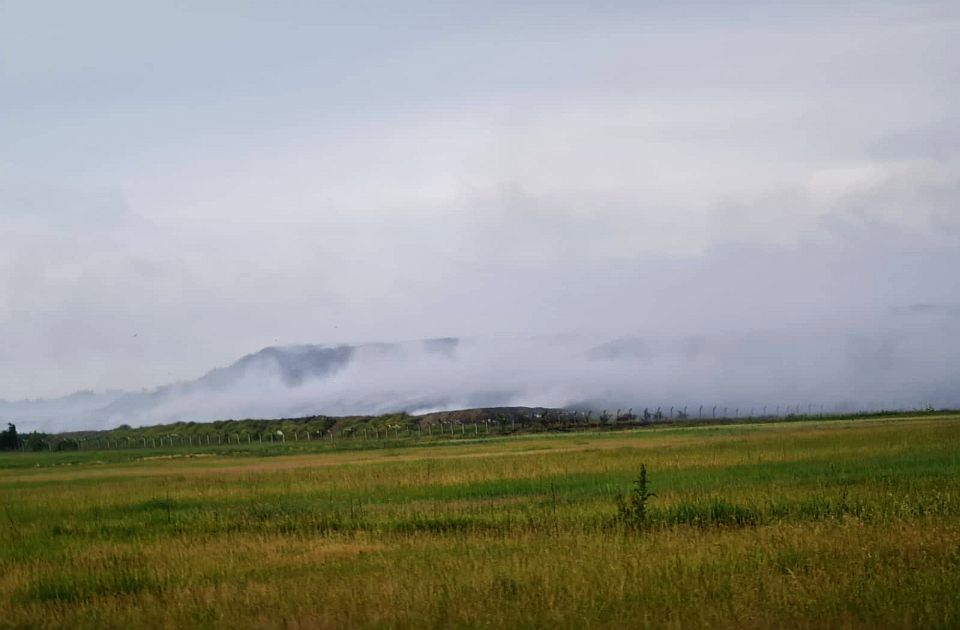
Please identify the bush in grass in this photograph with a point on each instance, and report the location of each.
(632, 508)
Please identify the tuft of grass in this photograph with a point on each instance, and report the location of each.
(715, 512)
(112, 576)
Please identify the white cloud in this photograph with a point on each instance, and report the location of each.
(532, 169)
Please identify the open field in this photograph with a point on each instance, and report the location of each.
(806, 524)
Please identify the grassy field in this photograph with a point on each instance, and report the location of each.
(807, 524)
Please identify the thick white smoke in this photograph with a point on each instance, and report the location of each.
(901, 359)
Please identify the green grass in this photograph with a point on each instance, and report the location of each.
(804, 524)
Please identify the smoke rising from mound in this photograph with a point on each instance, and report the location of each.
(904, 359)
(858, 313)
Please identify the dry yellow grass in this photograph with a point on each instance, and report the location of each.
(839, 524)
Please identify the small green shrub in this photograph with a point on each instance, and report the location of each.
(632, 508)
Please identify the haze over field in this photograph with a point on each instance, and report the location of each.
(765, 372)
(618, 203)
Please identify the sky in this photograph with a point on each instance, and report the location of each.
(182, 183)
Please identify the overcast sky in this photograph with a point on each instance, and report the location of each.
(182, 183)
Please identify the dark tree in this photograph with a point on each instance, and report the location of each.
(37, 442)
(9, 440)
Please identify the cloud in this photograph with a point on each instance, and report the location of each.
(633, 172)
(938, 140)
(105, 305)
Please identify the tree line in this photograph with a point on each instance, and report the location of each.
(11, 440)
